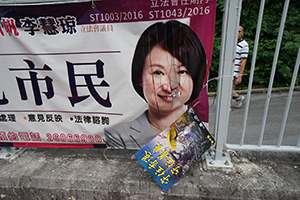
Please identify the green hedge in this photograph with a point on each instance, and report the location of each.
(267, 42)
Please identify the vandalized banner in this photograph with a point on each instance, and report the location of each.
(70, 71)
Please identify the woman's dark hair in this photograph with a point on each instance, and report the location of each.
(181, 42)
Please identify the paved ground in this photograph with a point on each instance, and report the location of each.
(75, 174)
(255, 116)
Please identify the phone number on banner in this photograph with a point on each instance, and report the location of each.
(55, 137)
(73, 138)
(153, 14)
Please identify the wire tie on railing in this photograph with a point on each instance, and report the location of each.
(93, 4)
(218, 78)
(107, 157)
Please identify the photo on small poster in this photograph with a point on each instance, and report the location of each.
(171, 153)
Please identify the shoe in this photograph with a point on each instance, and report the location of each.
(240, 103)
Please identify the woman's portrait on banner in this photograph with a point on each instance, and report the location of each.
(168, 69)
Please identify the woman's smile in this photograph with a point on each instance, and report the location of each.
(168, 98)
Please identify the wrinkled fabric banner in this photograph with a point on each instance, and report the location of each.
(66, 68)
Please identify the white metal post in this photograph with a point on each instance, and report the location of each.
(283, 18)
(289, 100)
(231, 19)
(258, 28)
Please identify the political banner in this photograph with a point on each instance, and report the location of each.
(66, 68)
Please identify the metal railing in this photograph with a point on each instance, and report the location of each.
(232, 11)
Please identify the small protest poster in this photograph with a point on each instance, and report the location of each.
(171, 153)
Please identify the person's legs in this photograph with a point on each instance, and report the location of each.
(240, 102)
(236, 96)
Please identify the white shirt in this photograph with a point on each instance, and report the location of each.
(242, 50)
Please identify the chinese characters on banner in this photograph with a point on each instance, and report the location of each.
(65, 68)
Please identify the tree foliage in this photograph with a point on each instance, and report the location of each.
(267, 42)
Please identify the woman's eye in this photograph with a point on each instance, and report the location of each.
(158, 72)
(183, 72)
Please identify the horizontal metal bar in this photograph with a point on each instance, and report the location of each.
(263, 148)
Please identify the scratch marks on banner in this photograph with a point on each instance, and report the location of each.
(96, 28)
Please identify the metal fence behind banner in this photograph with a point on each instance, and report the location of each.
(231, 19)
(232, 10)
